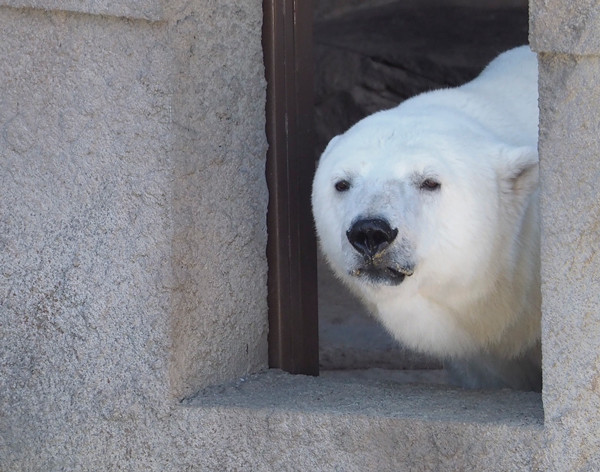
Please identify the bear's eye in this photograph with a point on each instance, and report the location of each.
(430, 184)
(342, 185)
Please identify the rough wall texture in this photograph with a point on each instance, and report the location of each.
(133, 9)
(132, 221)
(566, 34)
(571, 257)
(219, 195)
(564, 26)
(86, 235)
(279, 422)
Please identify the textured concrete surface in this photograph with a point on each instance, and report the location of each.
(565, 26)
(132, 222)
(279, 422)
(569, 150)
(219, 200)
(123, 142)
(351, 424)
(136, 9)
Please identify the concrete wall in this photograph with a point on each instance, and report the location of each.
(132, 270)
(132, 218)
(567, 36)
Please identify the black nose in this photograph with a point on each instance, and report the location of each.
(370, 236)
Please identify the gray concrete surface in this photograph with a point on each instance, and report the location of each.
(279, 422)
(565, 34)
(571, 256)
(561, 26)
(354, 424)
(152, 10)
(132, 222)
(121, 144)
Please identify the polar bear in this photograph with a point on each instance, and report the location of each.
(429, 213)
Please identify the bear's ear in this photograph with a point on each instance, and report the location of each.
(519, 170)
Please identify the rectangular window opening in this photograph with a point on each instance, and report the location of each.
(361, 57)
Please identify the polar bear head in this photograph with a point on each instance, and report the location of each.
(422, 201)
(429, 213)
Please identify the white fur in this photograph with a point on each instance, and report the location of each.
(473, 243)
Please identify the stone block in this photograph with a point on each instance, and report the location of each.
(132, 223)
(219, 195)
(569, 149)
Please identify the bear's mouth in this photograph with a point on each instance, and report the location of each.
(383, 275)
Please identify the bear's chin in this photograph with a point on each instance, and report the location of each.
(378, 275)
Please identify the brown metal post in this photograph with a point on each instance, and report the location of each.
(291, 250)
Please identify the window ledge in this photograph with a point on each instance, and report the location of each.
(352, 422)
(372, 395)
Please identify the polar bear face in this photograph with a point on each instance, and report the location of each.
(409, 204)
(429, 213)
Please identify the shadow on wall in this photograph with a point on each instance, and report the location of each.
(370, 57)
